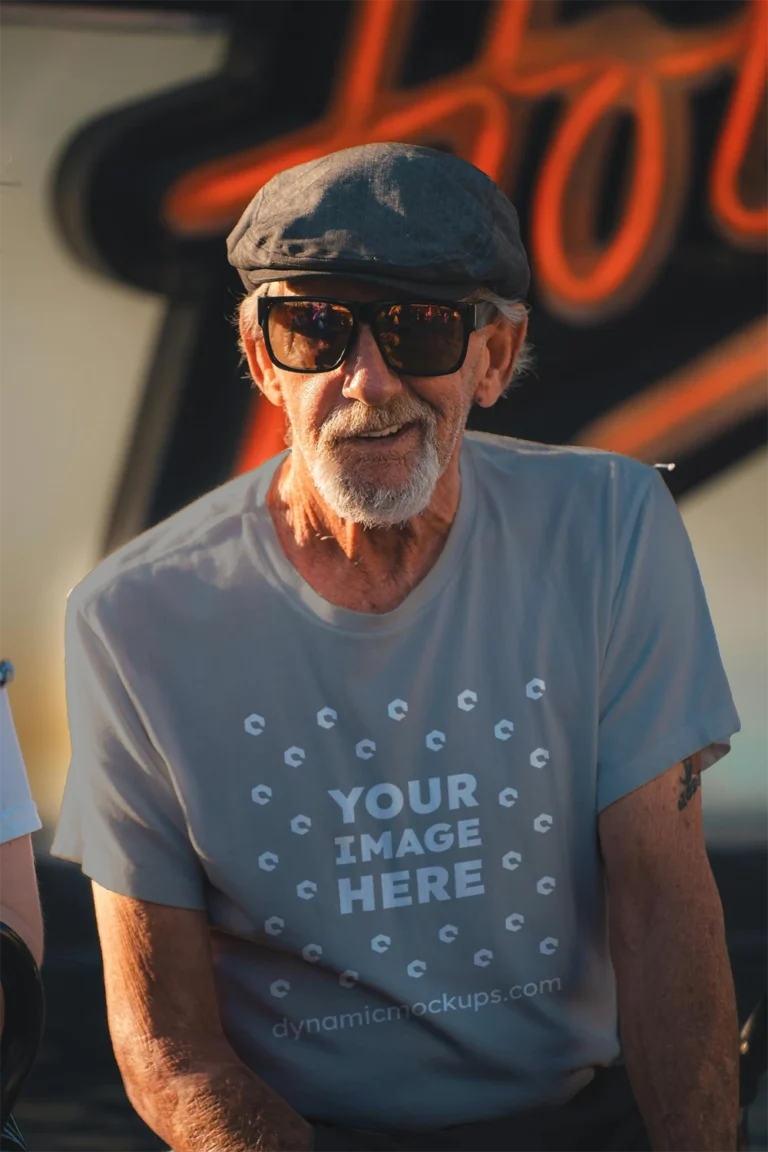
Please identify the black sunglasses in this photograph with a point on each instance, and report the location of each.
(311, 334)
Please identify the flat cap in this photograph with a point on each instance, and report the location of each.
(409, 217)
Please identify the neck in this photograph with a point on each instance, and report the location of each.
(367, 569)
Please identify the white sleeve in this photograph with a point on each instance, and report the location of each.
(18, 812)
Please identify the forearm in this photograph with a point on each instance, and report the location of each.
(19, 896)
(679, 1027)
(211, 1102)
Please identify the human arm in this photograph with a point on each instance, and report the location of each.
(19, 896)
(123, 820)
(677, 1007)
(20, 899)
(180, 1072)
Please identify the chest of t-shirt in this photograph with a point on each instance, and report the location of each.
(409, 777)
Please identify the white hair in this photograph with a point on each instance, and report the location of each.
(248, 314)
(515, 312)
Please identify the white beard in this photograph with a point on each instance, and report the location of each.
(361, 501)
(364, 503)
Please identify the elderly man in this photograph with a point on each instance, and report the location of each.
(368, 743)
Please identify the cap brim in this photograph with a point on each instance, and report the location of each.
(414, 288)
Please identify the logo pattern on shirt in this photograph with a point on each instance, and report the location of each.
(384, 801)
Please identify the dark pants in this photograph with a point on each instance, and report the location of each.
(603, 1117)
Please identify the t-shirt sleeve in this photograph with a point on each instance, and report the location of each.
(663, 692)
(121, 818)
(18, 811)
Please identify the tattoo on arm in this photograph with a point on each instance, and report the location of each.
(690, 783)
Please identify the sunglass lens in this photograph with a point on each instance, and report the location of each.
(309, 335)
(421, 339)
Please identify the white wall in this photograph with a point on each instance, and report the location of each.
(727, 520)
(73, 354)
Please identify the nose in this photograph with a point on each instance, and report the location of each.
(368, 379)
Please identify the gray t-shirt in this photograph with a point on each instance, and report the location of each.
(391, 820)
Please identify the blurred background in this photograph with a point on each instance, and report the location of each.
(632, 138)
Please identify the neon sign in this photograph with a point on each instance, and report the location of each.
(619, 60)
(723, 385)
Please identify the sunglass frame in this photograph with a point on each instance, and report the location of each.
(473, 316)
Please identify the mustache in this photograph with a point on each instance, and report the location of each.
(359, 418)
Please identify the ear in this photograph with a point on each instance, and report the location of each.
(502, 348)
(259, 364)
